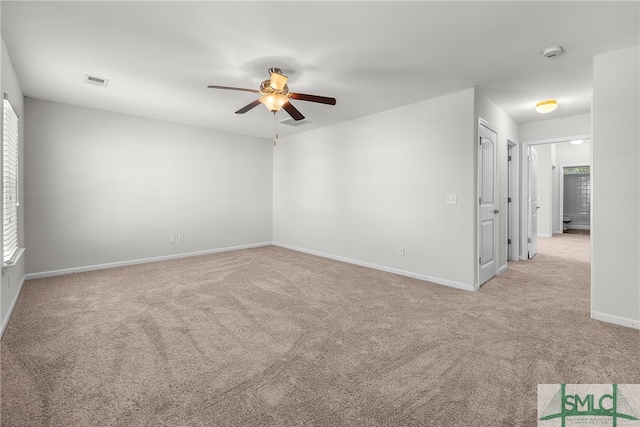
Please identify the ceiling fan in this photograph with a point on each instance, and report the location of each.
(274, 94)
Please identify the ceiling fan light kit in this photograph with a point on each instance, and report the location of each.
(274, 101)
(278, 80)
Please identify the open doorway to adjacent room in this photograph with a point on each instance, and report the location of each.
(562, 163)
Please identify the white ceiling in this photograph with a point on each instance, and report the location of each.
(159, 57)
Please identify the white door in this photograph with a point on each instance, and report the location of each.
(532, 202)
(512, 253)
(487, 205)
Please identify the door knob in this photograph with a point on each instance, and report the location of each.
(496, 211)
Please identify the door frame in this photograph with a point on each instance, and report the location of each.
(524, 172)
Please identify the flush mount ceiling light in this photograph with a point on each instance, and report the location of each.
(547, 106)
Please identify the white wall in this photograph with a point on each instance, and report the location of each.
(568, 154)
(359, 190)
(556, 128)
(507, 130)
(106, 188)
(615, 233)
(13, 277)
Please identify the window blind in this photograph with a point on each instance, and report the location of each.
(10, 182)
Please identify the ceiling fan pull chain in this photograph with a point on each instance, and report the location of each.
(275, 128)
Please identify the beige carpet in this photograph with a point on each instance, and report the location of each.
(269, 336)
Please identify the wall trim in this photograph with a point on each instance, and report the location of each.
(438, 281)
(5, 321)
(616, 320)
(64, 271)
(545, 235)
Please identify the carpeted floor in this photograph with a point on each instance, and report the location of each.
(273, 337)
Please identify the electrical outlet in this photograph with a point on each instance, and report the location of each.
(401, 251)
(172, 238)
(452, 199)
(180, 237)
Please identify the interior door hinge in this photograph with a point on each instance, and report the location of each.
(528, 158)
(528, 239)
(479, 200)
(509, 158)
(480, 140)
(508, 199)
(480, 261)
(508, 241)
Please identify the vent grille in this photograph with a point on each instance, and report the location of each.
(96, 81)
(291, 122)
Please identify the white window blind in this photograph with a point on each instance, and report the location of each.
(10, 182)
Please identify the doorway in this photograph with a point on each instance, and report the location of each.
(558, 152)
(576, 198)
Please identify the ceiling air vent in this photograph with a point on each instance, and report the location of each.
(291, 122)
(97, 81)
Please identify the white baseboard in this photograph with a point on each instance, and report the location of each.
(5, 321)
(545, 235)
(64, 271)
(423, 277)
(502, 269)
(616, 320)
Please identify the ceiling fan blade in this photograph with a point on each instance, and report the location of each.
(232, 88)
(293, 111)
(313, 98)
(248, 107)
